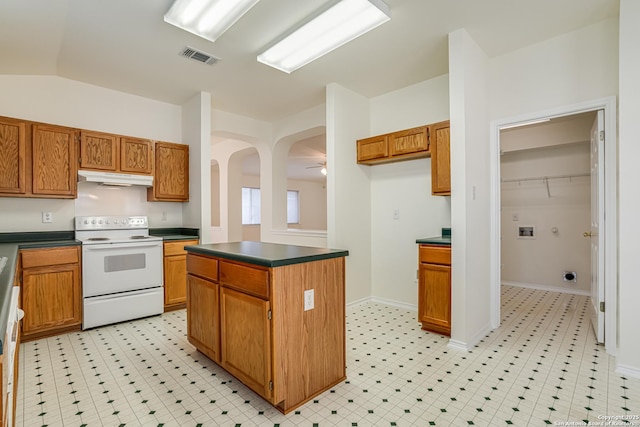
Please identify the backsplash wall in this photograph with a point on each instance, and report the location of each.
(25, 214)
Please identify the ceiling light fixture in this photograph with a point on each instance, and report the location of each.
(342, 22)
(207, 18)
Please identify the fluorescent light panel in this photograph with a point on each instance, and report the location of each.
(341, 23)
(207, 18)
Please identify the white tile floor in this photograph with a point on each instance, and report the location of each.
(540, 367)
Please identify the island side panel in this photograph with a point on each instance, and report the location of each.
(309, 346)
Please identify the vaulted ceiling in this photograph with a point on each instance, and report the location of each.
(125, 45)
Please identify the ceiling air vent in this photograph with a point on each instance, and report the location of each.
(196, 55)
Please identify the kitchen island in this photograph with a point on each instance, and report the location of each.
(271, 315)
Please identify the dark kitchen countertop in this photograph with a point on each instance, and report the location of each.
(10, 244)
(176, 233)
(266, 254)
(443, 240)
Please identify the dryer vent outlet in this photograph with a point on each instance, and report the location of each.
(569, 276)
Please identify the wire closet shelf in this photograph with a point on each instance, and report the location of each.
(545, 179)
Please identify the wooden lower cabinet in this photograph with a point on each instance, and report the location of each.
(175, 274)
(246, 339)
(203, 316)
(434, 289)
(51, 291)
(264, 336)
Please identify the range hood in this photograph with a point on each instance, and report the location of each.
(116, 179)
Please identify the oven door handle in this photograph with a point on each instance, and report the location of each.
(102, 247)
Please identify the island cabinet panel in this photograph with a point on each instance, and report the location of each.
(12, 156)
(54, 161)
(252, 280)
(203, 316)
(310, 344)
(268, 340)
(246, 339)
(203, 266)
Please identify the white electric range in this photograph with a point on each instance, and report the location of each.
(121, 269)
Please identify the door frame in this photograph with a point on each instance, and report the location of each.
(609, 198)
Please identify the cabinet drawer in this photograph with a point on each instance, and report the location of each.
(54, 256)
(203, 266)
(435, 254)
(247, 279)
(177, 247)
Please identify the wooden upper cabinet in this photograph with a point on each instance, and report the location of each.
(374, 148)
(440, 159)
(113, 153)
(12, 156)
(409, 142)
(171, 179)
(98, 151)
(54, 161)
(136, 155)
(393, 147)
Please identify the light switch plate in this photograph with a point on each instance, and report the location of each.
(308, 300)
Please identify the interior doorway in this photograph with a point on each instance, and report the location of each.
(608, 253)
(546, 204)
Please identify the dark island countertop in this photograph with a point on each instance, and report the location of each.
(443, 240)
(10, 244)
(266, 254)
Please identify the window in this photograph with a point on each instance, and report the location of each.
(293, 207)
(250, 206)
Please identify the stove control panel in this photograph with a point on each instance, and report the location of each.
(111, 222)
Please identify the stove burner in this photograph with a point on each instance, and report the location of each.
(138, 237)
(97, 239)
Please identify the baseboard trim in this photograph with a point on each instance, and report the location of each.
(394, 303)
(385, 301)
(546, 288)
(628, 371)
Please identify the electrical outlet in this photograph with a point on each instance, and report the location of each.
(47, 217)
(164, 216)
(396, 214)
(308, 300)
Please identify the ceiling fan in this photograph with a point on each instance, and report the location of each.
(322, 165)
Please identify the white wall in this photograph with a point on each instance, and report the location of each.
(566, 207)
(629, 202)
(348, 188)
(312, 199)
(66, 102)
(568, 69)
(470, 204)
(196, 132)
(405, 187)
(233, 134)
